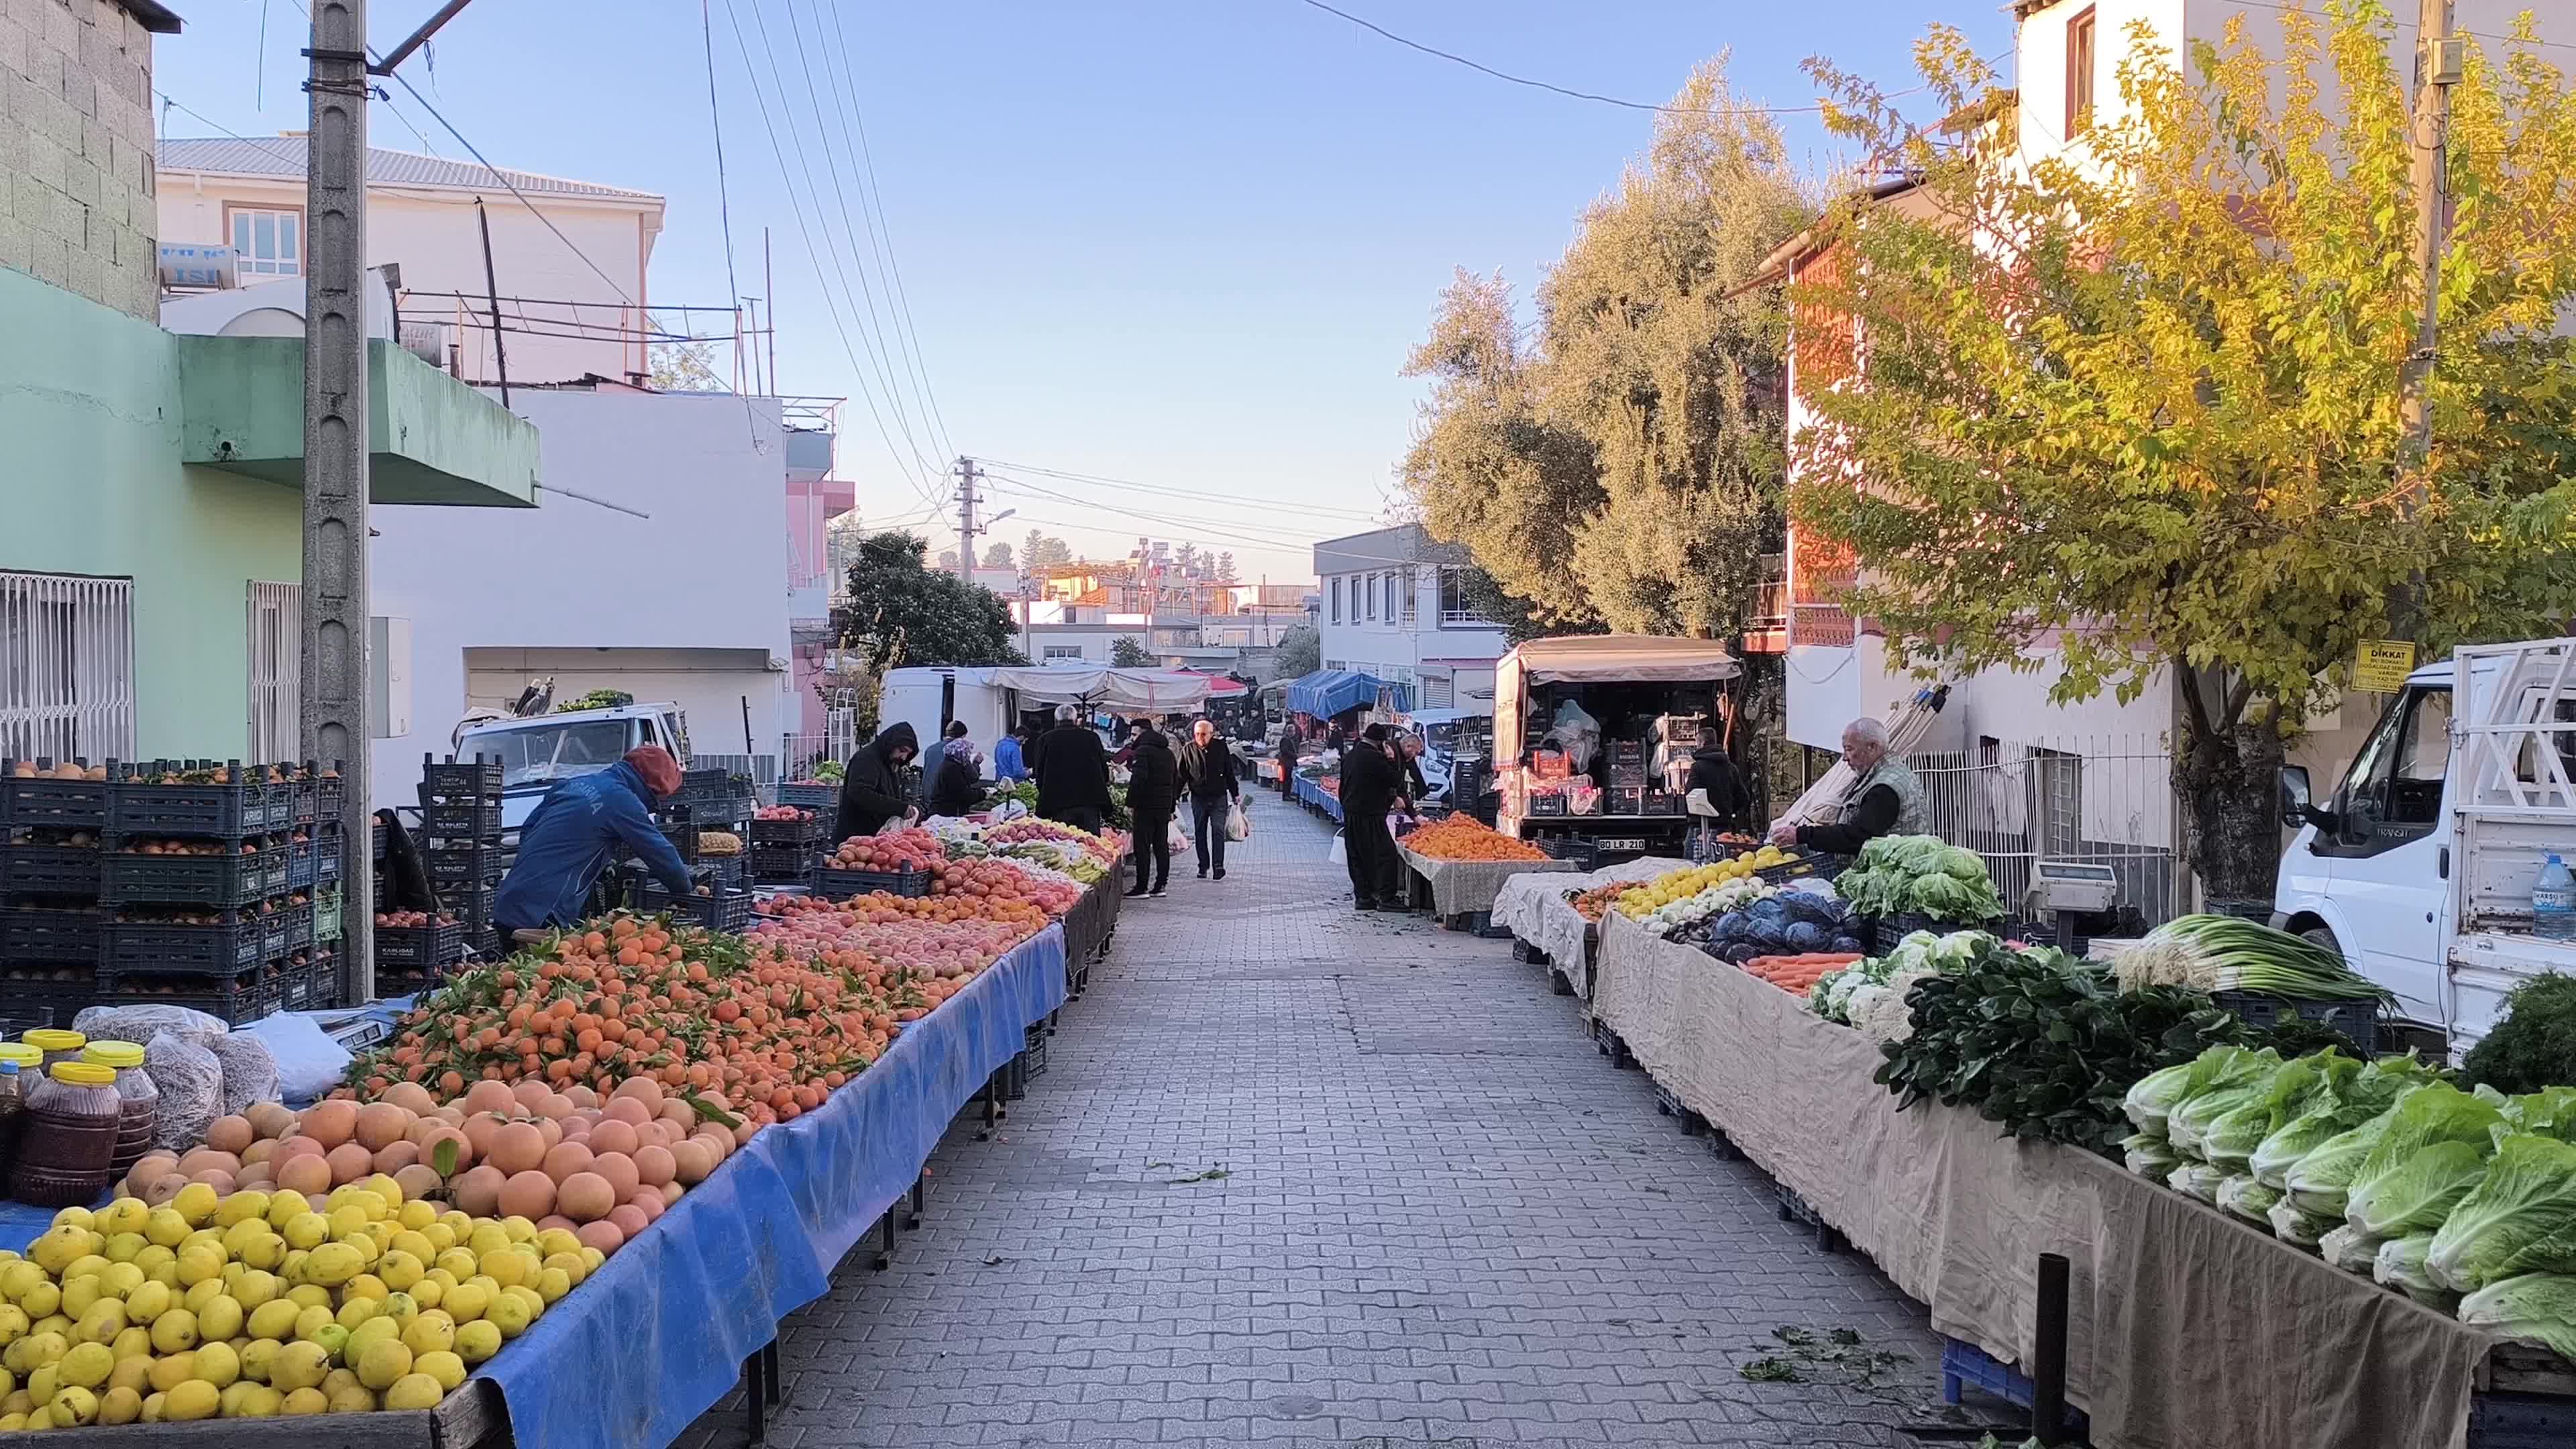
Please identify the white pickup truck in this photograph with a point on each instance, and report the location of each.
(2420, 867)
(539, 752)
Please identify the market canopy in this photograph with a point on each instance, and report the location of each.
(1161, 690)
(1328, 692)
(1622, 659)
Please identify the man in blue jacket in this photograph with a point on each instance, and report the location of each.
(583, 826)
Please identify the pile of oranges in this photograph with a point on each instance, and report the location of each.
(1461, 838)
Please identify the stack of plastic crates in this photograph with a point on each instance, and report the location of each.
(460, 834)
(199, 879)
(50, 920)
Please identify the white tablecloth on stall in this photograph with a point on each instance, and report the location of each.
(2187, 1328)
(1461, 887)
(1535, 909)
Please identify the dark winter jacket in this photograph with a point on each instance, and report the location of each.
(872, 787)
(1154, 778)
(578, 830)
(957, 789)
(1207, 772)
(1370, 781)
(1713, 771)
(1072, 770)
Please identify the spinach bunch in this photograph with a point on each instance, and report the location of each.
(2046, 1046)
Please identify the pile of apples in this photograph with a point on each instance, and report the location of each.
(944, 939)
(999, 879)
(781, 812)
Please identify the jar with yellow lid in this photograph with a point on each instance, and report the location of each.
(67, 1151)
(57, 1044)
(139, 1100)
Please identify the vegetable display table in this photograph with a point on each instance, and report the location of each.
(2187, 1328)
(1535, 910)
(1465, 887)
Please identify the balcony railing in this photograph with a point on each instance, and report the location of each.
(1464, 619)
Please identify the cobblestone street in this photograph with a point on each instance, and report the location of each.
(1298, 1176)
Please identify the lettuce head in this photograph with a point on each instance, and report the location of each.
(2534, 1308)
(2434, 1151)
(2519, 1218)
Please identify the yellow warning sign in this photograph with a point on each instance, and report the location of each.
(2380, 666)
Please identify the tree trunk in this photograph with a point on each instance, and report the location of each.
(1761, 721)
(2228, 775)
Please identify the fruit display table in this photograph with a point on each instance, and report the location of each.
(1316, 798)
(1468, 887)
(663, 1330)
(1535, 910)
(2186, 1326)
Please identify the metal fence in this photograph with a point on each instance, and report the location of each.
(2102, 800)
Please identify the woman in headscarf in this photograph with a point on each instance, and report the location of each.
(958, 789)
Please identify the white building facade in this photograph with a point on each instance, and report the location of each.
(1394, 607)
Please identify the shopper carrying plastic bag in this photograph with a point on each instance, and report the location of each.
(1208, 777)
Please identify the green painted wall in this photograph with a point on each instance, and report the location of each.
(91, 483)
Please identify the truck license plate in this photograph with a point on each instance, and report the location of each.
(1620, 844)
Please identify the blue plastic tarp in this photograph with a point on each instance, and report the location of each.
(1316, 795)
(1328, 692)
(658, 1336)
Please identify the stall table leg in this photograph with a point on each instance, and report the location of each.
(920, 1186)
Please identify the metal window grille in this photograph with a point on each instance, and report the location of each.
(2107, 801)
(66, 667)
(276, 670)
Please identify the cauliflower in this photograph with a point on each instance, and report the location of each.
(1885, 1016)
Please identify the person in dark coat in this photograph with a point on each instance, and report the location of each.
(1716, 782)
(1153, 792)
(1207, 774)
(958, 787)
(1371, 784)
(872, 790)
(583, 826)
(1288, 743)
(1072, 771)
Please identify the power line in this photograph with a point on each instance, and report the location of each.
(874, 195)
(822, 277)
(832, 167)
(503, 177)
(1275, 541)
(1453, 59)
(724, 191)
(1167, 491)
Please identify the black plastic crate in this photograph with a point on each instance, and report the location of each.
(463, 780)
(304, 797)
(297, 921)
(465, 865)
(218, 812)
(376, 841)
(330, 797)
(238, 943)
(421, 948)
(237, 997)
(1580, 849)
(774, 866)
(2358, 1020)
(1033, 1056)
(67, 938)
(841, 884)
(63, 804)
(231, 879)
(1803, 864)
(729, 911)
(295, 987)
(821, 797)
(789, 833)
(330, 860)
(50, 870)
(466, 821)
(48, 998)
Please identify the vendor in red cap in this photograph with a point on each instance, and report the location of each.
(582, 827)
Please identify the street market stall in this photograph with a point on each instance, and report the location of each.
(1594, 737)
(1540, 912)
(2187, 1326)
(1313, 793)
(1463, 863)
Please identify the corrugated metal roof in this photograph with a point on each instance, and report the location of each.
(283, 156)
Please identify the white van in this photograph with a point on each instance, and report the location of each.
(2419, 867)
(538, 753)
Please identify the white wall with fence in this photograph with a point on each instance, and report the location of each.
(2100, 800)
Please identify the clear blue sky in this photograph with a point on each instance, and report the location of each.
(1185, 244)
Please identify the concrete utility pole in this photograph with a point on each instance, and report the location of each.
(2439, 58)
(967, 477)
(334, 725)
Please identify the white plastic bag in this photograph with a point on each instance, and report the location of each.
(1238, 826)
(1337, 855)
(1173, 833)
(309, 1062)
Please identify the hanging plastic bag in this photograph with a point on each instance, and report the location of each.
(1337, 855)
(1175, 835)
(1238, 826)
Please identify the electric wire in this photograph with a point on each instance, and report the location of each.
(1198, 495)
(887, 368)
(724, 189)
(873, 195)
(832, 303)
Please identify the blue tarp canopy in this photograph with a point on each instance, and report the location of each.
(1328, 692)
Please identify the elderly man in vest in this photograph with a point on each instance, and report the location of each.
(1885, 798)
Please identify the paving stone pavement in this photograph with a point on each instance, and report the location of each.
(1298, 1176)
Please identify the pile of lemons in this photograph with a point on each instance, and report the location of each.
(1681, 885)
(257, 1304)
